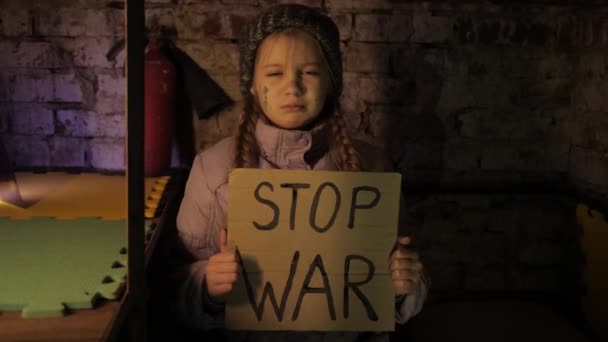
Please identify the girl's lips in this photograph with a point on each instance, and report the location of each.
(292, 108)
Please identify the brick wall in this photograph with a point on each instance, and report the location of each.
(588, 166)
(61, 100)
(512, 245)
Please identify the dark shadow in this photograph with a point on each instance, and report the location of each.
(415, 136)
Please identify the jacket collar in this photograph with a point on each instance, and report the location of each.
(292, 149)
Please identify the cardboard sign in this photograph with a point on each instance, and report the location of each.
(314, 249)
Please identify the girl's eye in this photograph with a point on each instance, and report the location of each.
(275, 74)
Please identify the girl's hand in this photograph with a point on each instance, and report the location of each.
(405, 267)
(222, 271)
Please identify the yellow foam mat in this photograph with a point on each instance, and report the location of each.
(69, 196)
(595, 237)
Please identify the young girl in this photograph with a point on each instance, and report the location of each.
(291, 78)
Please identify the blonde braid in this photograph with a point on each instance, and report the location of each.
(247, 151)
(349, 158)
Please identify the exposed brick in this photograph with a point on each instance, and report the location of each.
(358, 4)
(586, 30)
(351, 101)
(91, 51)
(7, 85)
(234, 23)
(561, 123)
(487, 280)
(426, 78)
(507, 63)
(164, 16)
(588, 166)
(502, 221)
(509, 157)
(555, 66)
(497, 158)
(547, 222)
(495, 247)
(431, 29)
(467, 122)
(541, 254)
(27, 150)
(213, 57)
(592, 96)
(111, 85)
(546, 92)
(344, 22)
(226, 58)
(15, 22)
(421, 155)
(546, 157)
(310, 3)
(387, 90)
(5, 113)
(490, 93)
(210, 5)
(488, 64)
(241, 2)
(516, 126)
(67, 152)
(446, 276)
(27, 85)
(109, 105)
(107, 154)
(547, 280)
(76, 22)
(363, 57)
(31, 55)
(457, 247)
(593, 64)
(383, 28)
(462, 156)
(591, 131)
(455, 95)
(90, 124)
(68, 88)
(31, 119)
(195, 22)
(499, 31)
(565, 30)
(370, 125)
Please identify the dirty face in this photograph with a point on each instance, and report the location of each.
(291, 79)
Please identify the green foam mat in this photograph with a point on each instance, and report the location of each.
(47, 265)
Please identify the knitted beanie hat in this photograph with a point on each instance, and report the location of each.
(280, 17)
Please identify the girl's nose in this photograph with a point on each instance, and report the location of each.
(294, 84)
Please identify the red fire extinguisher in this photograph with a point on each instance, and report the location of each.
(159, 78)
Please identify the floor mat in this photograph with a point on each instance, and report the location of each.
(48, 265)
(68, 196)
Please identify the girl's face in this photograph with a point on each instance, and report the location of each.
(291, 79)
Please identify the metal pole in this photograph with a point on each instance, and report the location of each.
(134, 36)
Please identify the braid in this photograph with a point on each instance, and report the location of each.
(247, 151)
(349, 158)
